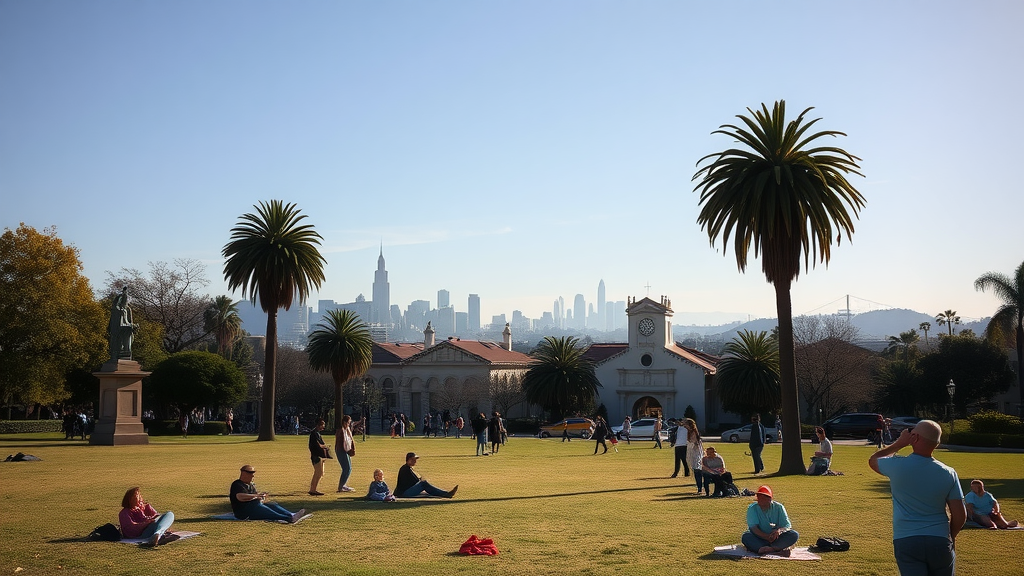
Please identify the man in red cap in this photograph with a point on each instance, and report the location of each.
(769, 529)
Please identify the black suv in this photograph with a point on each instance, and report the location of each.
(854, 425)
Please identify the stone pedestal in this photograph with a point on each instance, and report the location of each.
(119, 420)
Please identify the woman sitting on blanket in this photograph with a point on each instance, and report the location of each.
(140, 520)
(713, 467)
(822, 458)
(983, 508)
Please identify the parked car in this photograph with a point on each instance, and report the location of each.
(859, 425)
(642, 428)
(742, 434)
(901, 423)
(582, 427)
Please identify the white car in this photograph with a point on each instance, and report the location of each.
(742, 434)
(641, 428)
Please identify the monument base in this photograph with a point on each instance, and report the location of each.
(119, 419)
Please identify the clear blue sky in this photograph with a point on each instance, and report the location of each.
(518, 150)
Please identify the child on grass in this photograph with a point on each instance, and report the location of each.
(379, 490)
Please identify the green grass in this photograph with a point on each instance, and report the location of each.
(552, 508)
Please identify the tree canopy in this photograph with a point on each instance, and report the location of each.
(1007, 325)
(191, 379)
(748, 376)
(560, 379)
(341, 345)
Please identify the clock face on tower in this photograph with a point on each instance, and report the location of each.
(646, 327)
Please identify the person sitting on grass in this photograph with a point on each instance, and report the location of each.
(248, 504)
(983, 508)
(822, 458)
(713, 466)
(769, 529)
(379, 490)
(410, 485)
(140, 520)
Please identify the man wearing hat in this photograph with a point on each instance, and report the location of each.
(923, 537)
(769, 529)
(248, 504)
(410, 485)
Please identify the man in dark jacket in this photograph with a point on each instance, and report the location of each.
(756, 442)
(479, 425)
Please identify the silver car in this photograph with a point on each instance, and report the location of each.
(742, 434)
(641, 428)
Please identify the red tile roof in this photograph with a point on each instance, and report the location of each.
(394, 352)
(598, 353)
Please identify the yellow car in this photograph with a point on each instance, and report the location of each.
(582, 427)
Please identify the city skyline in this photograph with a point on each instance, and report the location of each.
(518, 151)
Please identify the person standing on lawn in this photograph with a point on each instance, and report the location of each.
(756, 442)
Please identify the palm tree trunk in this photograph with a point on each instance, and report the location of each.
(1020, 366)
(792, 456)
(269, 371)
(339, 404)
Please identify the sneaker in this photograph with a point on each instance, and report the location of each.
(347, 489)
(297, 515)
(451, 493)
(168, 538)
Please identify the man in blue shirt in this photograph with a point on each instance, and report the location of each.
(983, 508)
(924, 538)
(769, 529)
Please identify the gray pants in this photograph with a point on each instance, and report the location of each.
(924, 556)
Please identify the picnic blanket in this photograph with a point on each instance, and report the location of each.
(478, 546)
(972, 525)
(182, 535)
(231, 516)
(740, 551)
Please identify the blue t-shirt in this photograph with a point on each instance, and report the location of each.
(920, 487)
(983, 504)
(774, 517)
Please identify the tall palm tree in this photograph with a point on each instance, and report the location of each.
(925, 327)
(787, 200)
(341, 345)
(560, 377)
(949, 317)
(1009, 318)
(221, 318)
(748, 376)
(906, 340)
(274, 257)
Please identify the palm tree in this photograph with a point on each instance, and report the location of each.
(925, 327)
(748, 376)
(905, 341)
(273, 257)
(221, 318)
(341, 345)
(1009, 318)
(560, 377)
(949, 317)
(787, 201)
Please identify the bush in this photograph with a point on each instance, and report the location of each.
(987, 440)
(170, 428)
(28, 426)
(990, 422)
(521, 426)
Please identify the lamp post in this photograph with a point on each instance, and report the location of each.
(951, 388)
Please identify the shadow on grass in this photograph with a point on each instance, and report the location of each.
(713, 556)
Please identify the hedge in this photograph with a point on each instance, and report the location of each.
(25, 426)
(987, 440)
(170, 428)
(996, 423)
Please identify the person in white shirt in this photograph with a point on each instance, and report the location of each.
(822, 458)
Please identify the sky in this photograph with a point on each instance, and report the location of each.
(520, 150)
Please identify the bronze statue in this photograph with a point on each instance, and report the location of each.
(122, 329)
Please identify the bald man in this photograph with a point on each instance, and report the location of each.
(924, 538)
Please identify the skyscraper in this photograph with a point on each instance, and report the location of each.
(442, 299)
(602, 323)
(380, 310)
(474, 313)
(579, 312)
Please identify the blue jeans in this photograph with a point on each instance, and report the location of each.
(753, 542)
(924, 556)
(160, 525)
(421, 487)
(259, 511)
(346, 468)
(481, 443)
(755, 453)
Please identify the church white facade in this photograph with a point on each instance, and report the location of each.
(651, 374)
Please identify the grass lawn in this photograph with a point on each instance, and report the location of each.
(551, 508)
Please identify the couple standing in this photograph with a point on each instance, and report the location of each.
(344, 447)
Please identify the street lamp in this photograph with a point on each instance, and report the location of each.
(951, 388)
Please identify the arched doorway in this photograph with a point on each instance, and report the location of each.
(647, 407)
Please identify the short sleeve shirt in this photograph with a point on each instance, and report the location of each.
(768, 520)
(239, 487)
(983, 504)
(826, 447)
(920, 487)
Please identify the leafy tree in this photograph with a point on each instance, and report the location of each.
(787, 201)
(341, 345)
(979, 368)
(272, 256)
(170, 296)
(193, 379)
(506, 389)
(222, 320)
(948, 318)
(906, 341)
(454, 393)
(897, 384)
(830, 368)
(925, 327)
(50, 323)
(748, 376)
(300, 386)
(1007, 324)
(560, 378)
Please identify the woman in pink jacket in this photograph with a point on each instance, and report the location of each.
(140, 520)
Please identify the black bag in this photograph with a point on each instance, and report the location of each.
(106, 533)
(831, 544)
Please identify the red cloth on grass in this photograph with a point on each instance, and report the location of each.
(477, 545)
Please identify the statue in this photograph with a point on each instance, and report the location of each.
(121, 328)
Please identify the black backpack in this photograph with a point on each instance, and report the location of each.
(106, 533)
(831, 544)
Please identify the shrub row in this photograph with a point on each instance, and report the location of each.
(987, 440)
(990, 422)
(170, 428)
(25, 426)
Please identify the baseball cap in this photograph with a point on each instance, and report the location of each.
(766, 490)
(410, 455)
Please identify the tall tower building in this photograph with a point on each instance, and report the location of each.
(442, 299)
(602, 323)
(380, 308)
(474, 313)
(579, 312)
(560, 315)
